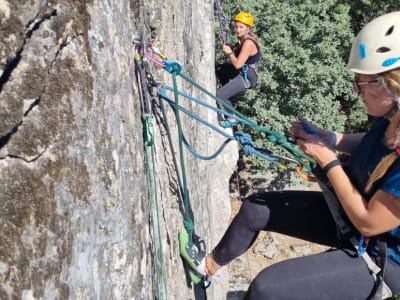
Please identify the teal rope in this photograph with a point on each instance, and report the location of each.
(214, 108)
(188, 221)
(176, 106)
(273, 136)
(256, 151)
(159, 270)
(249, 149)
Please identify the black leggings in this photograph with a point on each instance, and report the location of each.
(233, 82)
(334, 274)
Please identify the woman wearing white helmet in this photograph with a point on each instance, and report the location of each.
(240, 72)
(368, 191)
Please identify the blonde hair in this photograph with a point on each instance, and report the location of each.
(391, 80)
(253, 37)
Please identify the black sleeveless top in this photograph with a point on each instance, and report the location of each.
(253, 59)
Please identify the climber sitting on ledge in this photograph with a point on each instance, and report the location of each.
(241, 72)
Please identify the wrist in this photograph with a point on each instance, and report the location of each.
(229, 54)
(331, 165)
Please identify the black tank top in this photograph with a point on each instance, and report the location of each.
(253, 59)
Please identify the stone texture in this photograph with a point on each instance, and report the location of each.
(74, 205)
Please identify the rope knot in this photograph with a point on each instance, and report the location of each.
(277, 138)
(172, 66)
(245, 140)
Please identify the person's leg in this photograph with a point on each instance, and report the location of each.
(225, 72)
(299, 214)
(392, 276)
(231, 89)
(329, 275)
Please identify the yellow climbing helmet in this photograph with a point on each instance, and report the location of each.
(245, 18)
(376, 48)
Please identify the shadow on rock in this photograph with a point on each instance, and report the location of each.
(235, 295)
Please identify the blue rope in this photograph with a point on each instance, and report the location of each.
(299, 157)
(247, 143)
(198, 155)
(243, 138)
(164, 96)
(212, 107)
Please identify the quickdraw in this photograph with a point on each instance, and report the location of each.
(148, 133)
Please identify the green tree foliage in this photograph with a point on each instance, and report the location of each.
(305, 47)
(362, 11)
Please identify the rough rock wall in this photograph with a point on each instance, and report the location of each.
(74, 207)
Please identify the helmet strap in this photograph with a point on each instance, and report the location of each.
(393, 111)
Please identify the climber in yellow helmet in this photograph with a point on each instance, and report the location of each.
(240, 73)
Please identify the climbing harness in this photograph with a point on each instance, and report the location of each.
(247, 82)
(345, 232)
(381, 290)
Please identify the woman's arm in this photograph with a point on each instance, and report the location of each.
(380, 214)
(248, 49)
(346, 142)
(338, 141)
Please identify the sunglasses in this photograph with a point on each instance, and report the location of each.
(357, 85)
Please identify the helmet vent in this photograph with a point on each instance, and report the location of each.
(389, 31)
(382, 50)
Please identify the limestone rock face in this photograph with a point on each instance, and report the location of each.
(76, 216)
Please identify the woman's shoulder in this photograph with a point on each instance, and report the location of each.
(249, 41)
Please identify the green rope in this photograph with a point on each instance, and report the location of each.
(274, 137)
(159, 270)
(148, 138)
(188, 221)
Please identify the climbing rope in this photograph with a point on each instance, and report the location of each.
(223, 21)
(301, 159)
(191, 246)
(159, 270)
(149, 147)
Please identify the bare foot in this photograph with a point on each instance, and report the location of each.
(211, 265)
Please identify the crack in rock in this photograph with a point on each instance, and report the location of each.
(13, 61)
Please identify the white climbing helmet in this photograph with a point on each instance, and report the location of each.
(376, 48)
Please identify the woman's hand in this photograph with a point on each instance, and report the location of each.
(313, 141)
(227, 49)
(328, 137)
